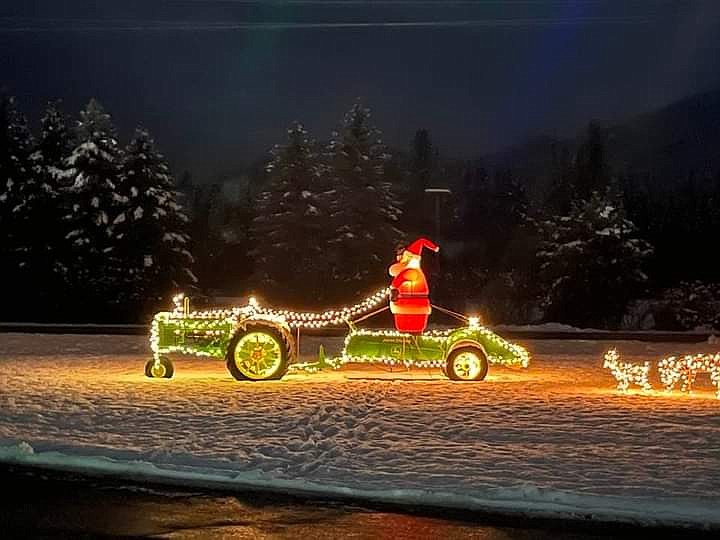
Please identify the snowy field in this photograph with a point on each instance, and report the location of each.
(554, 439)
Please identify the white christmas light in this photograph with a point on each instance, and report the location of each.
(685, 369)
(228, 318)
(520, 355)
(626, 373)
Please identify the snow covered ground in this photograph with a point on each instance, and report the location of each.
(554, 439)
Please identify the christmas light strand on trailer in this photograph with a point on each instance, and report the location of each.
(519, 355)
(686, 368)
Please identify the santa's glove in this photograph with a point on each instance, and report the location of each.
(394, 295)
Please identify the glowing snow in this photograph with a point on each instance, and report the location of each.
(555, 439)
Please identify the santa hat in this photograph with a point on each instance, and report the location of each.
(416, 247)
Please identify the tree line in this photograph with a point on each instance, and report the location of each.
(91, 229)
(597, 245)
(97, 231)
(587, 248)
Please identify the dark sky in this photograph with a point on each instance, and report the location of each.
(217, 82)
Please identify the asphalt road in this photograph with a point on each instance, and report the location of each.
(47, 504)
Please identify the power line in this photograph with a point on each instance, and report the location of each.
(95, 25)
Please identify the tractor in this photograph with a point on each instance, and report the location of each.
(260, 344)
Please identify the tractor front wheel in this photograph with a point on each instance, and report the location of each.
(467, 364)
(162, 369)
(259, 351)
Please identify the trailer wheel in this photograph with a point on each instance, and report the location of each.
(163, 369)
(467, 364)
(259, 351)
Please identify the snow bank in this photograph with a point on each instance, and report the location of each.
(544, 327)
(529, 501)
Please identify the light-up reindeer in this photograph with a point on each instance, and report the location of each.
(627, 373)
(685, 369)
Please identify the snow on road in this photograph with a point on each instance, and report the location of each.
(554, 437)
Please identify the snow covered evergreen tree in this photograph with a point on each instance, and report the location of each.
(591, 262)
(364, 211)
(290, 227)
(56, 139)
(16, 174)
(150, 226)
(17, 184)
(93, 172)
(44, 208)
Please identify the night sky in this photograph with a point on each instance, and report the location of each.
(217, 82)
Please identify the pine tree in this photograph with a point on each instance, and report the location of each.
(234, 265)
(93, 268)
(423, 159)
(290, 227)
(422, 168)
(16, 175)
(591, 262)
(56, 140)
(44, 209)
(150, 227)
(591, 165)
(561, 191)
(17, 185)
(473, 201)
(507, 210)
(364, 210)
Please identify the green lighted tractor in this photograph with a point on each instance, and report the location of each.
(260, 344)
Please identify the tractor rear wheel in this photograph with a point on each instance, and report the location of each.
(259, 351)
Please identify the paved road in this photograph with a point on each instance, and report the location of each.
(53, 505)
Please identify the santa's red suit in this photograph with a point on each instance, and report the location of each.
(409, 291)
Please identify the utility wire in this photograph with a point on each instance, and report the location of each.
(99, 25)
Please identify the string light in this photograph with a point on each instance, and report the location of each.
(207, 332)
(498, 350)
(685, 369)
(220, 323)
(332, 317)
(294, 319)
(672, 370)
(627, 373)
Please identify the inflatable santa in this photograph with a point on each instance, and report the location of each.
(409, 291)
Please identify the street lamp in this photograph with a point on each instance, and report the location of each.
(437, 193)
